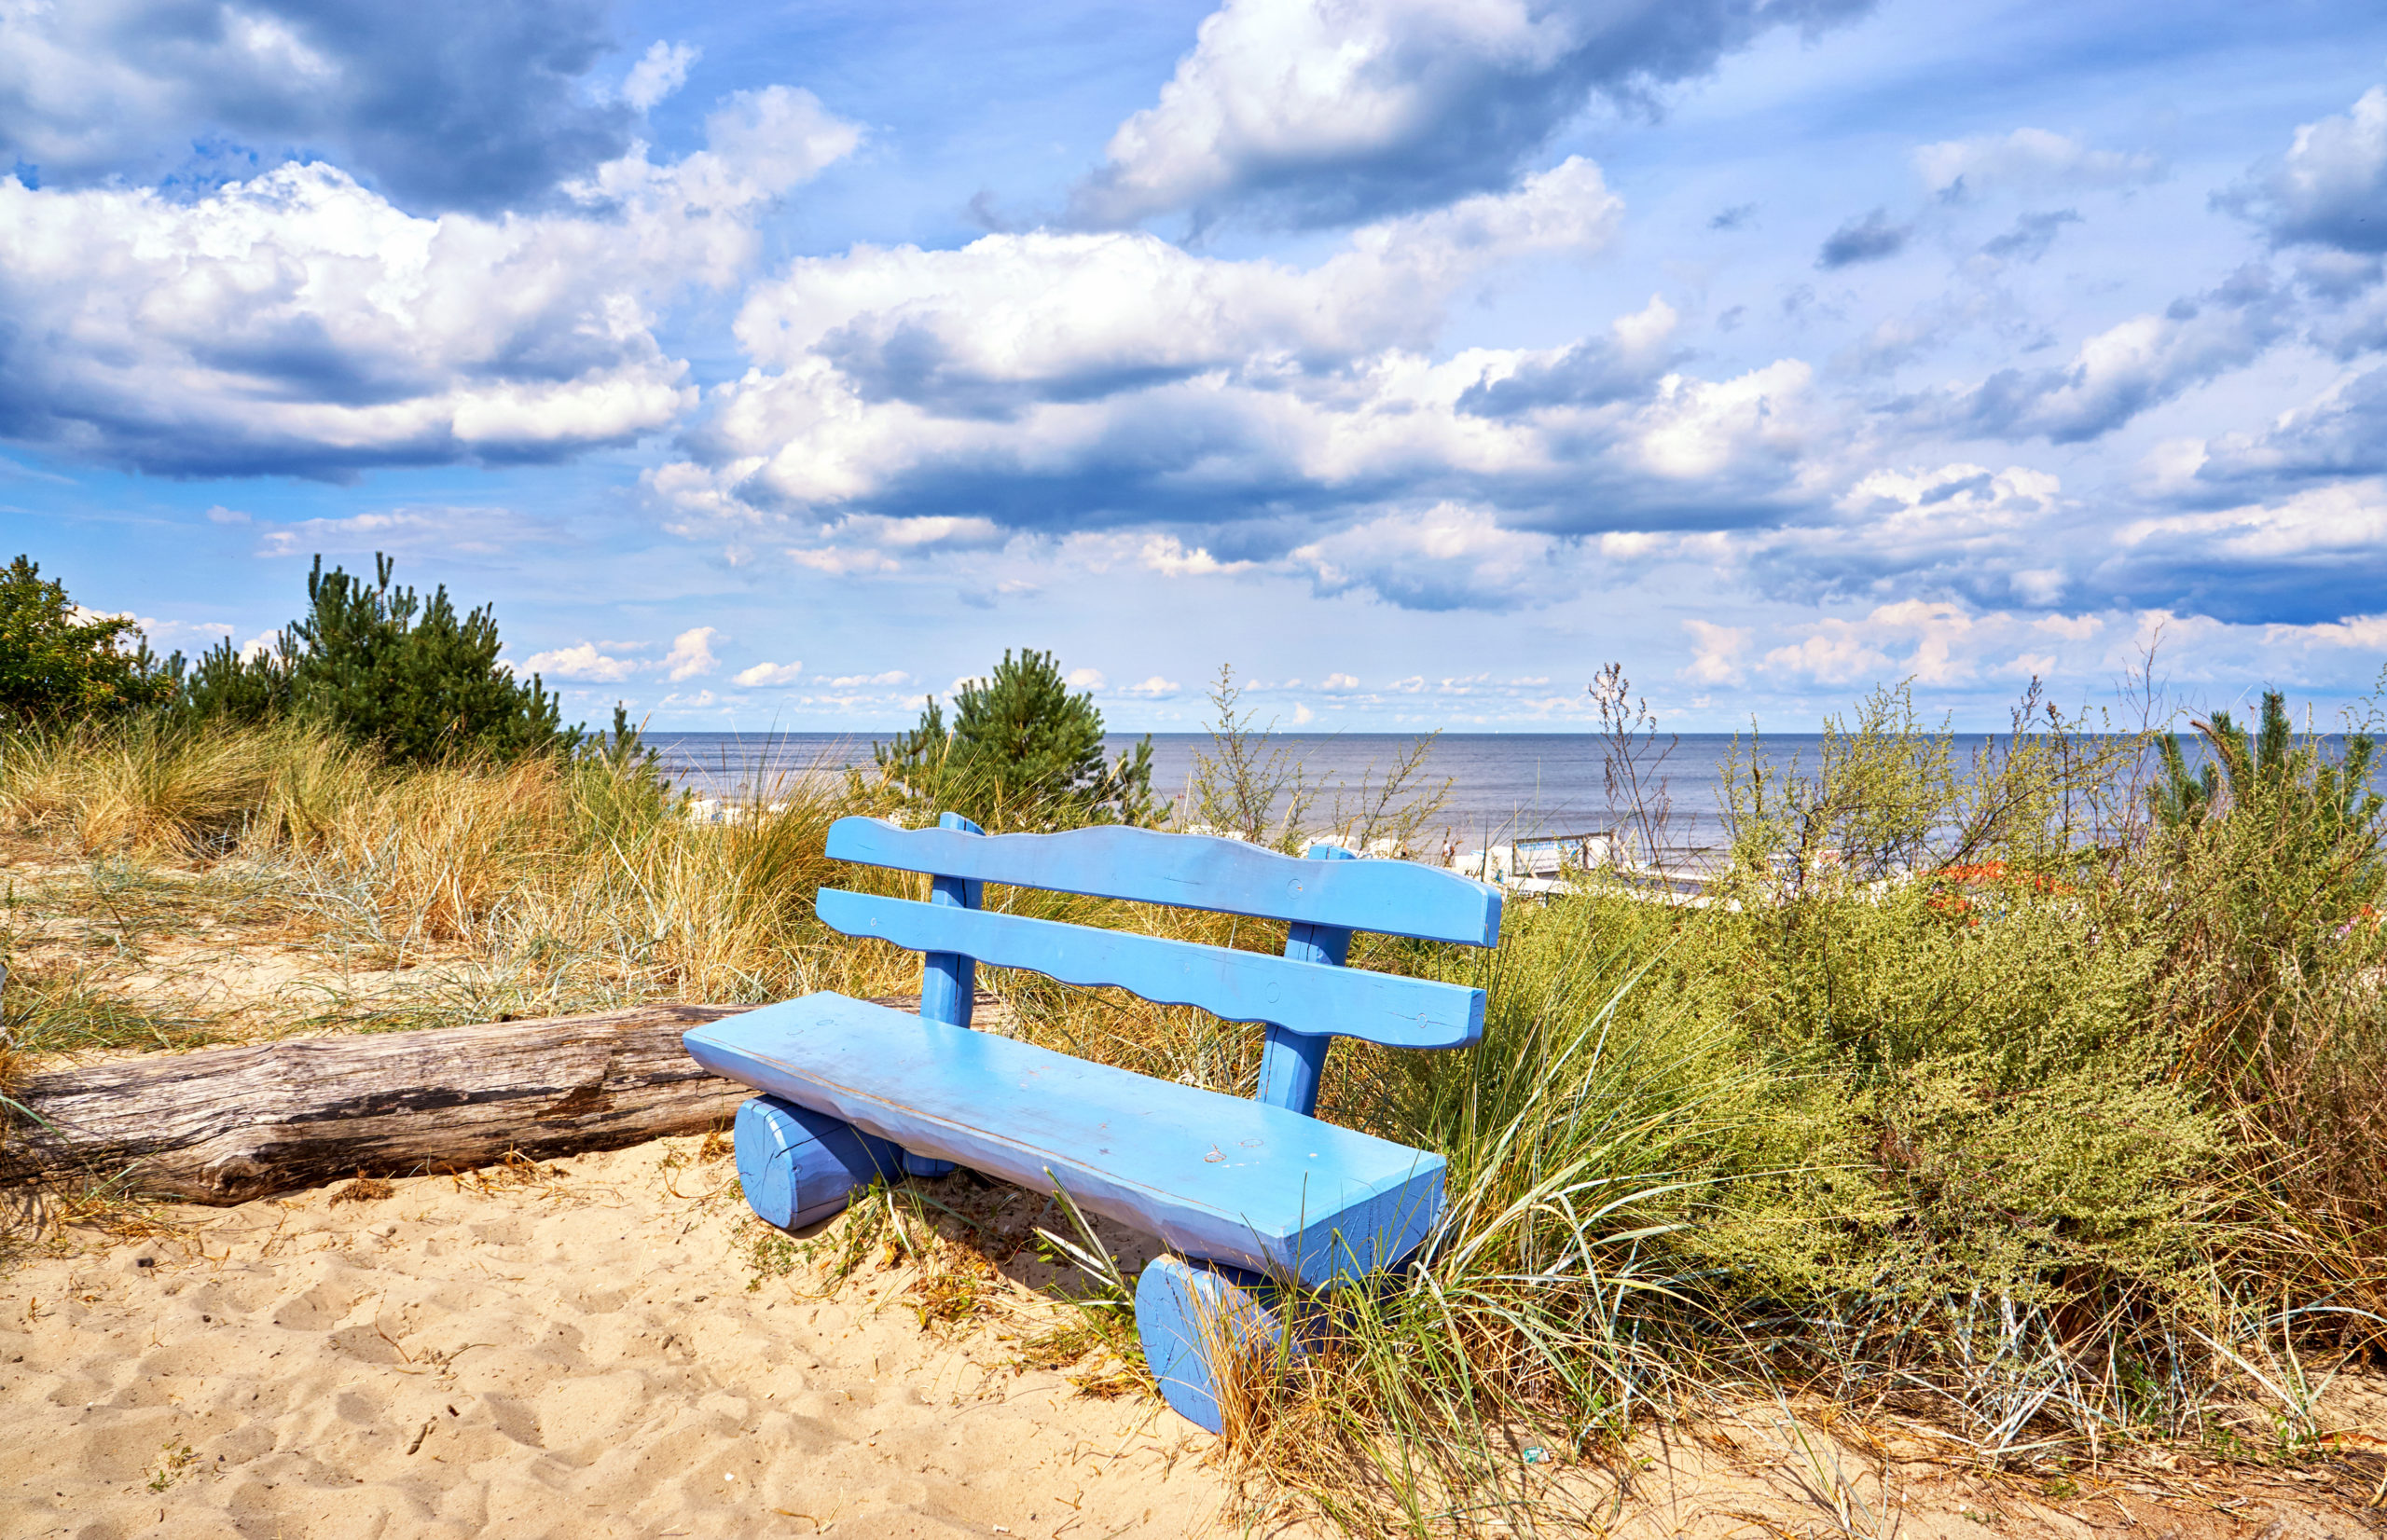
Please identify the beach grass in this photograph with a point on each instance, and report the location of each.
(1987, 1100)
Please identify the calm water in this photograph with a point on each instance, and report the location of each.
(1503, 785)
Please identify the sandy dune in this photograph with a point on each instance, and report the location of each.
(579, 1357)
(602, 1353)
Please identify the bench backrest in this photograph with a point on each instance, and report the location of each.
(1306, 997)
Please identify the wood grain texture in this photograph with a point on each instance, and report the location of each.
(1192, 872)
(1391, 1008)
(223, 1126)
(1215, 1175)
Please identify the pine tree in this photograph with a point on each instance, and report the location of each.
(57, 666)
(2268, 771)
(386, 667)
(1023, 752)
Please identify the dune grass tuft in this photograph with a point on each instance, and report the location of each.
(1989, 1099)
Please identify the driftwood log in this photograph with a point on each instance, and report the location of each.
(223, 1126)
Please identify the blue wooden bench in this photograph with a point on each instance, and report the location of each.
(1257, 1195)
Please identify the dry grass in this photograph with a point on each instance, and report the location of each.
(1686, 1165)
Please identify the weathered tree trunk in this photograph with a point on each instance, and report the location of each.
(222, 1126)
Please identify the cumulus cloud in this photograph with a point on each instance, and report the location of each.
(1597, 372)
(2027, 159)
(2330, 188)
(300, 324)
(768, 674)
(662, 70)
(1716, 651)
(691, 655)
(1956, 527)
(2319, 553)
(581, 663)
(1934, 644)
(1332, 112)
(1056, 384)
(1249, 465)
(1450, 557)
(1866, 239)
(1010, 320)
(2341, 433)
(2125, 369)
(442, 104)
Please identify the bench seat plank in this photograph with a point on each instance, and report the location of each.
(1217, 1177)
(1192, 872)
(1236, 987)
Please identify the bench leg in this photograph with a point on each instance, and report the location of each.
(797, 1166)
(1207, 1331)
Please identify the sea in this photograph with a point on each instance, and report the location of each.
(1501, 786)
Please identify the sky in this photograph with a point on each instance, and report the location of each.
(774, 365)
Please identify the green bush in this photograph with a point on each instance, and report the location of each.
(385, 667)
(1023, 752)
(58, 667)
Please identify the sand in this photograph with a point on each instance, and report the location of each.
(603, 1352)
(578, 1357)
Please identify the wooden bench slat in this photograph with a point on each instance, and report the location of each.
(1192, 872)
(1310, 998)
(1215, 1175)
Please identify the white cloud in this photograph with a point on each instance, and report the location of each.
(1449, 557)
(418, 531)
(1337, 684)
(447, 103)
(2347, 517)
(1717, 649)
(806, 444)
(2331, 186)
(300, 322)
(1012, 319)
(1330, 113)
(859, 681)
(582, 663)
(2070, 627)
(662, 70)
(1086, 678)
(1168, 555)
(2125, 369)
(197, 634)
(1940, 642)
(2029, 157)
(691, 655)
(867, 542)
(763, 674)
(1154, 688)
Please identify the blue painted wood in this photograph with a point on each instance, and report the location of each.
(797, 1166)
(948, 980)
(1214, 1176)
(1200, 1327)
(1291, 1062)
(1193, 871)
(1237, 986)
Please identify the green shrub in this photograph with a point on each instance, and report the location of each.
(385, 667)
(1023, 752)
(57, 666)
